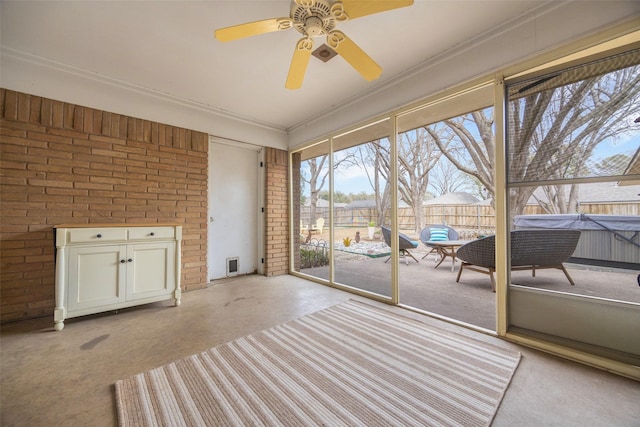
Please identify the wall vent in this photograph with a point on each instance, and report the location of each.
(232, 266)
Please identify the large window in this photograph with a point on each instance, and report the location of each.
(572, 152)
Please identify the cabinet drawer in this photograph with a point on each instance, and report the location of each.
(151, 233)
(96, 235)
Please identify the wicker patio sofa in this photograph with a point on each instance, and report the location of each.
(530, 250)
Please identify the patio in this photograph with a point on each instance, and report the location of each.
(471, 301)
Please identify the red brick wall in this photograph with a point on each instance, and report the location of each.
(62, 163)
(276, 213)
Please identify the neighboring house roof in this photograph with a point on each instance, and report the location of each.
(633, 168)
(364, 204)
(453, 199)
(599, 192)
(356, 204)
(485, 202)
(322, 203)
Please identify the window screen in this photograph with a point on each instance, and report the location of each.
(582, 122)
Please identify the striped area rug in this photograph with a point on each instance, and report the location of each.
(351, 364)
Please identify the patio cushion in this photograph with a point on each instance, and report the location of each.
(439, 234)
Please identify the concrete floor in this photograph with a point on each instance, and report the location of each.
(471, 301)
(66, 378)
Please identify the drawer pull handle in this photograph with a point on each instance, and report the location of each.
(130, 260)
(122, 261)
(99, 236)
(152, 234)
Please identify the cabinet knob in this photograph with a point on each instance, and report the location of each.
(152, 234)
(130, 260)
(99, 236)
(122, 261)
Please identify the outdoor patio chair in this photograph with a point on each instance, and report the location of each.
(304, 229)
(436, 233)
(315, 228)
(318, 226)
(530, 250)
(404, 242)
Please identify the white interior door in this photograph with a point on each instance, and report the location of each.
(234, 210)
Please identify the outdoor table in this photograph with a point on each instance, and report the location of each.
(447, 248)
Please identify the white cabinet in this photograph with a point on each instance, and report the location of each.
(108, 267)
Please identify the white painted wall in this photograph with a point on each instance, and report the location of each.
(596, 321)
(234, 208)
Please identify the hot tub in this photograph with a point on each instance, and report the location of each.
(612, 240)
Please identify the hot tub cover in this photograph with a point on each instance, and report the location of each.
(579, 222)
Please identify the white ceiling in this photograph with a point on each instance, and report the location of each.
(168, 47)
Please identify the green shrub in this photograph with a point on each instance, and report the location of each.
(316, 257)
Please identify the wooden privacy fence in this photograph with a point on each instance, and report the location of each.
(472, 217)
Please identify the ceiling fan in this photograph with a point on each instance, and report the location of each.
(316, 18)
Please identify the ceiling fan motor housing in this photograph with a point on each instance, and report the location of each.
(313, 18)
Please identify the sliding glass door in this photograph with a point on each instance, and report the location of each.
(340, 202)
(446, 182)
(362, 207)
(310, 211)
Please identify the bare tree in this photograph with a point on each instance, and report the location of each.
(557, 199)
(469, 143)
(552, 133)
(447, 178)
(318, 174)
(374, 157)
(417, 155)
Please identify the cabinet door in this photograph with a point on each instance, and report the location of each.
(152, 271)
(96, 276)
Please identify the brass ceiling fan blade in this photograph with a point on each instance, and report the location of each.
(253, 29)
(357, 8)
(298, 67)
(355, 56)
